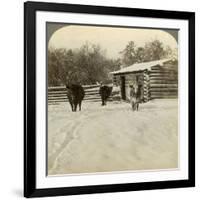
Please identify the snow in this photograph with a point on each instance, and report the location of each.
(140, 66)
(113, 137)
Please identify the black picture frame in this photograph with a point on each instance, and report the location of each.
(30, 9)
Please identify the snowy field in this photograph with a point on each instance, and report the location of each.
(112, 138)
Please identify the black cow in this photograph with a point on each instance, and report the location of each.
(75, 94)
(105, 92)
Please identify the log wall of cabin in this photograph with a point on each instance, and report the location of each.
(163, 81)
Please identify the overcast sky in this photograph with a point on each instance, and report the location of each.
(111, 39)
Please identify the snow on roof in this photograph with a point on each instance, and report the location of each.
(141, 66)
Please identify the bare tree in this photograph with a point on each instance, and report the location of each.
(153, 50)
(86, 65)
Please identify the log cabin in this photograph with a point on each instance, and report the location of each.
(159, 79)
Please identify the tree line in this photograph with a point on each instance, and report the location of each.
(89, 64)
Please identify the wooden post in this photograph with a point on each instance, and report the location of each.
(146, 86)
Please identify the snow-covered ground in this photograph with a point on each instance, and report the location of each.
(113, 137)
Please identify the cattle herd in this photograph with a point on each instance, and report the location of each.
(75, 94)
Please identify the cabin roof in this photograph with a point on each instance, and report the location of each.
(140, 66)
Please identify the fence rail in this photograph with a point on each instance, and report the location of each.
(59, 94)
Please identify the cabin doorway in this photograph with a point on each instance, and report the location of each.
(123, 88)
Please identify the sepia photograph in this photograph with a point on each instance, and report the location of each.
(109, 99)
(112, 103)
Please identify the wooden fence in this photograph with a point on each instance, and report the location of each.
(59, 94)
